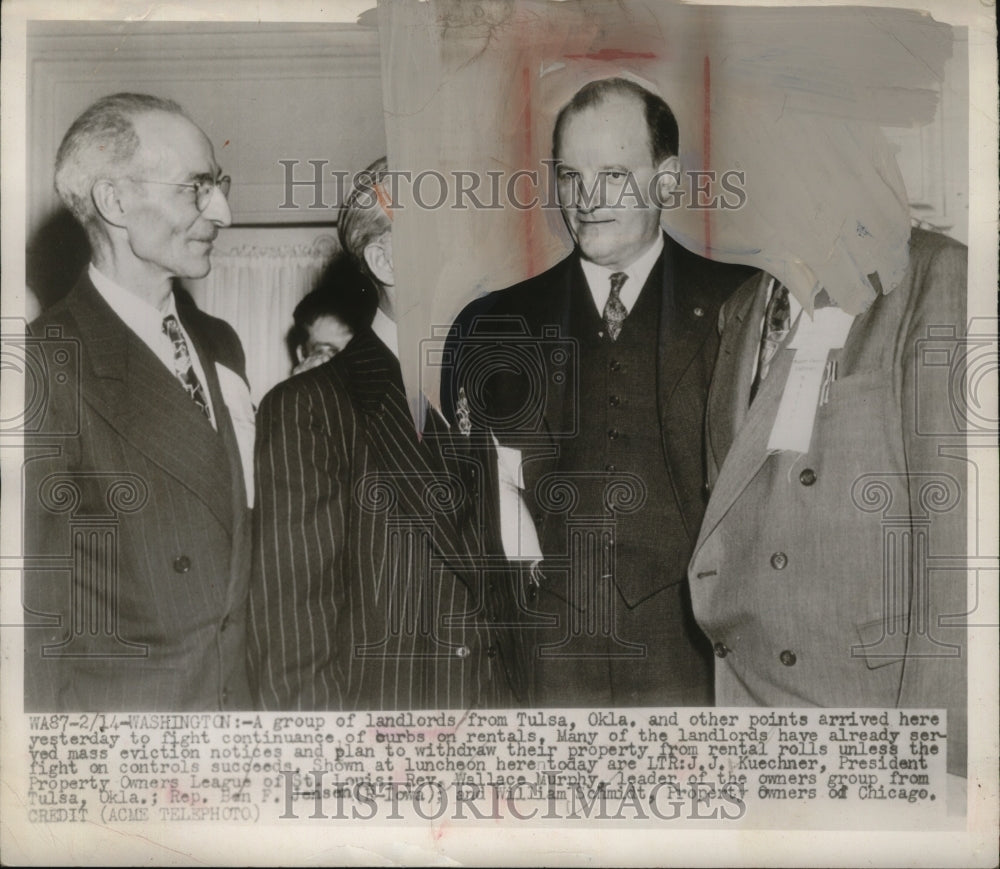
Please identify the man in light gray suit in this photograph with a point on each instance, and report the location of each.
(138, 436)
(818, 569)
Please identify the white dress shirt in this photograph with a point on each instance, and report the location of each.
(599, 277)
(385, 330)
(146, 321)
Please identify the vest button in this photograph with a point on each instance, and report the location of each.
(699, 312)
(491, 652)
(614, 401)
(787, 658)
(610, 468)
(779, 561)
(807, 477)
(224, 624)
(615, 366)
(182, 564)
(613, 433)
(720, 650)
(225, 695)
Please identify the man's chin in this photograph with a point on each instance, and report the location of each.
(595, 252)
(197, 269)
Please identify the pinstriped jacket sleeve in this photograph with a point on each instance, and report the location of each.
(302, 477)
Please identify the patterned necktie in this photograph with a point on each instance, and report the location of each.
(614, 309)
(777, 322)
(182, 365)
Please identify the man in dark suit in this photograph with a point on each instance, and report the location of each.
(138, 435)
(378, 579)
(606, 421)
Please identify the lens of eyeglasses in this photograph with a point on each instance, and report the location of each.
(205, 189)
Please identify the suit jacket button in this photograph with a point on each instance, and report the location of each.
(720, 650)
(807, 477)
(787, 658)
(182, 564)
(462, 651)
(779, 561)
(615, 366)
(613, 434)
(532, 592)
(225, 695)
(699, 312)
(614, 400)
(491, 652)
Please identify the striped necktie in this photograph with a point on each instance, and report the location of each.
(777, 322)
(183, 369)
(614, 309)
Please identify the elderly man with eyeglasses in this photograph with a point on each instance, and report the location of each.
(138, 435)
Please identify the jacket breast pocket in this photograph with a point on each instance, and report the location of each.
(883, 641)
(863, 386)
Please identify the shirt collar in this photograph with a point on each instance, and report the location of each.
(385, 330)
(599, 277)
(141, 317)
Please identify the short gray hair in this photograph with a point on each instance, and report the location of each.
(364, 216)
(98, 144)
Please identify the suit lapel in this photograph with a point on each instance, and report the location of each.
(414, 464)
(562, 399)
(684, 325)
(129, 386)
(194, 324)
(749, 447)
(239, 564)
(729, 398)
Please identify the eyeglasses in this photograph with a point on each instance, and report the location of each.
(204, 188)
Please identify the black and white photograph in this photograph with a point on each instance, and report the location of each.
(499, 432)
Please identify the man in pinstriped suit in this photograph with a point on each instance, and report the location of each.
(378, 580)
(137, 460)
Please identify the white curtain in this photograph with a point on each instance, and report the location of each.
(255, 289)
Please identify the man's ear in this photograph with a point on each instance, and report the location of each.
(379, 262)
(106, 201)
(668, 178)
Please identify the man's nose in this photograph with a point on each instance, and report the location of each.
(588, 194)
(218, 209)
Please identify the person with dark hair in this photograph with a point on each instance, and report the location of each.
(137, 469)
(376, 582)
(612, 472)
(326, 318)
